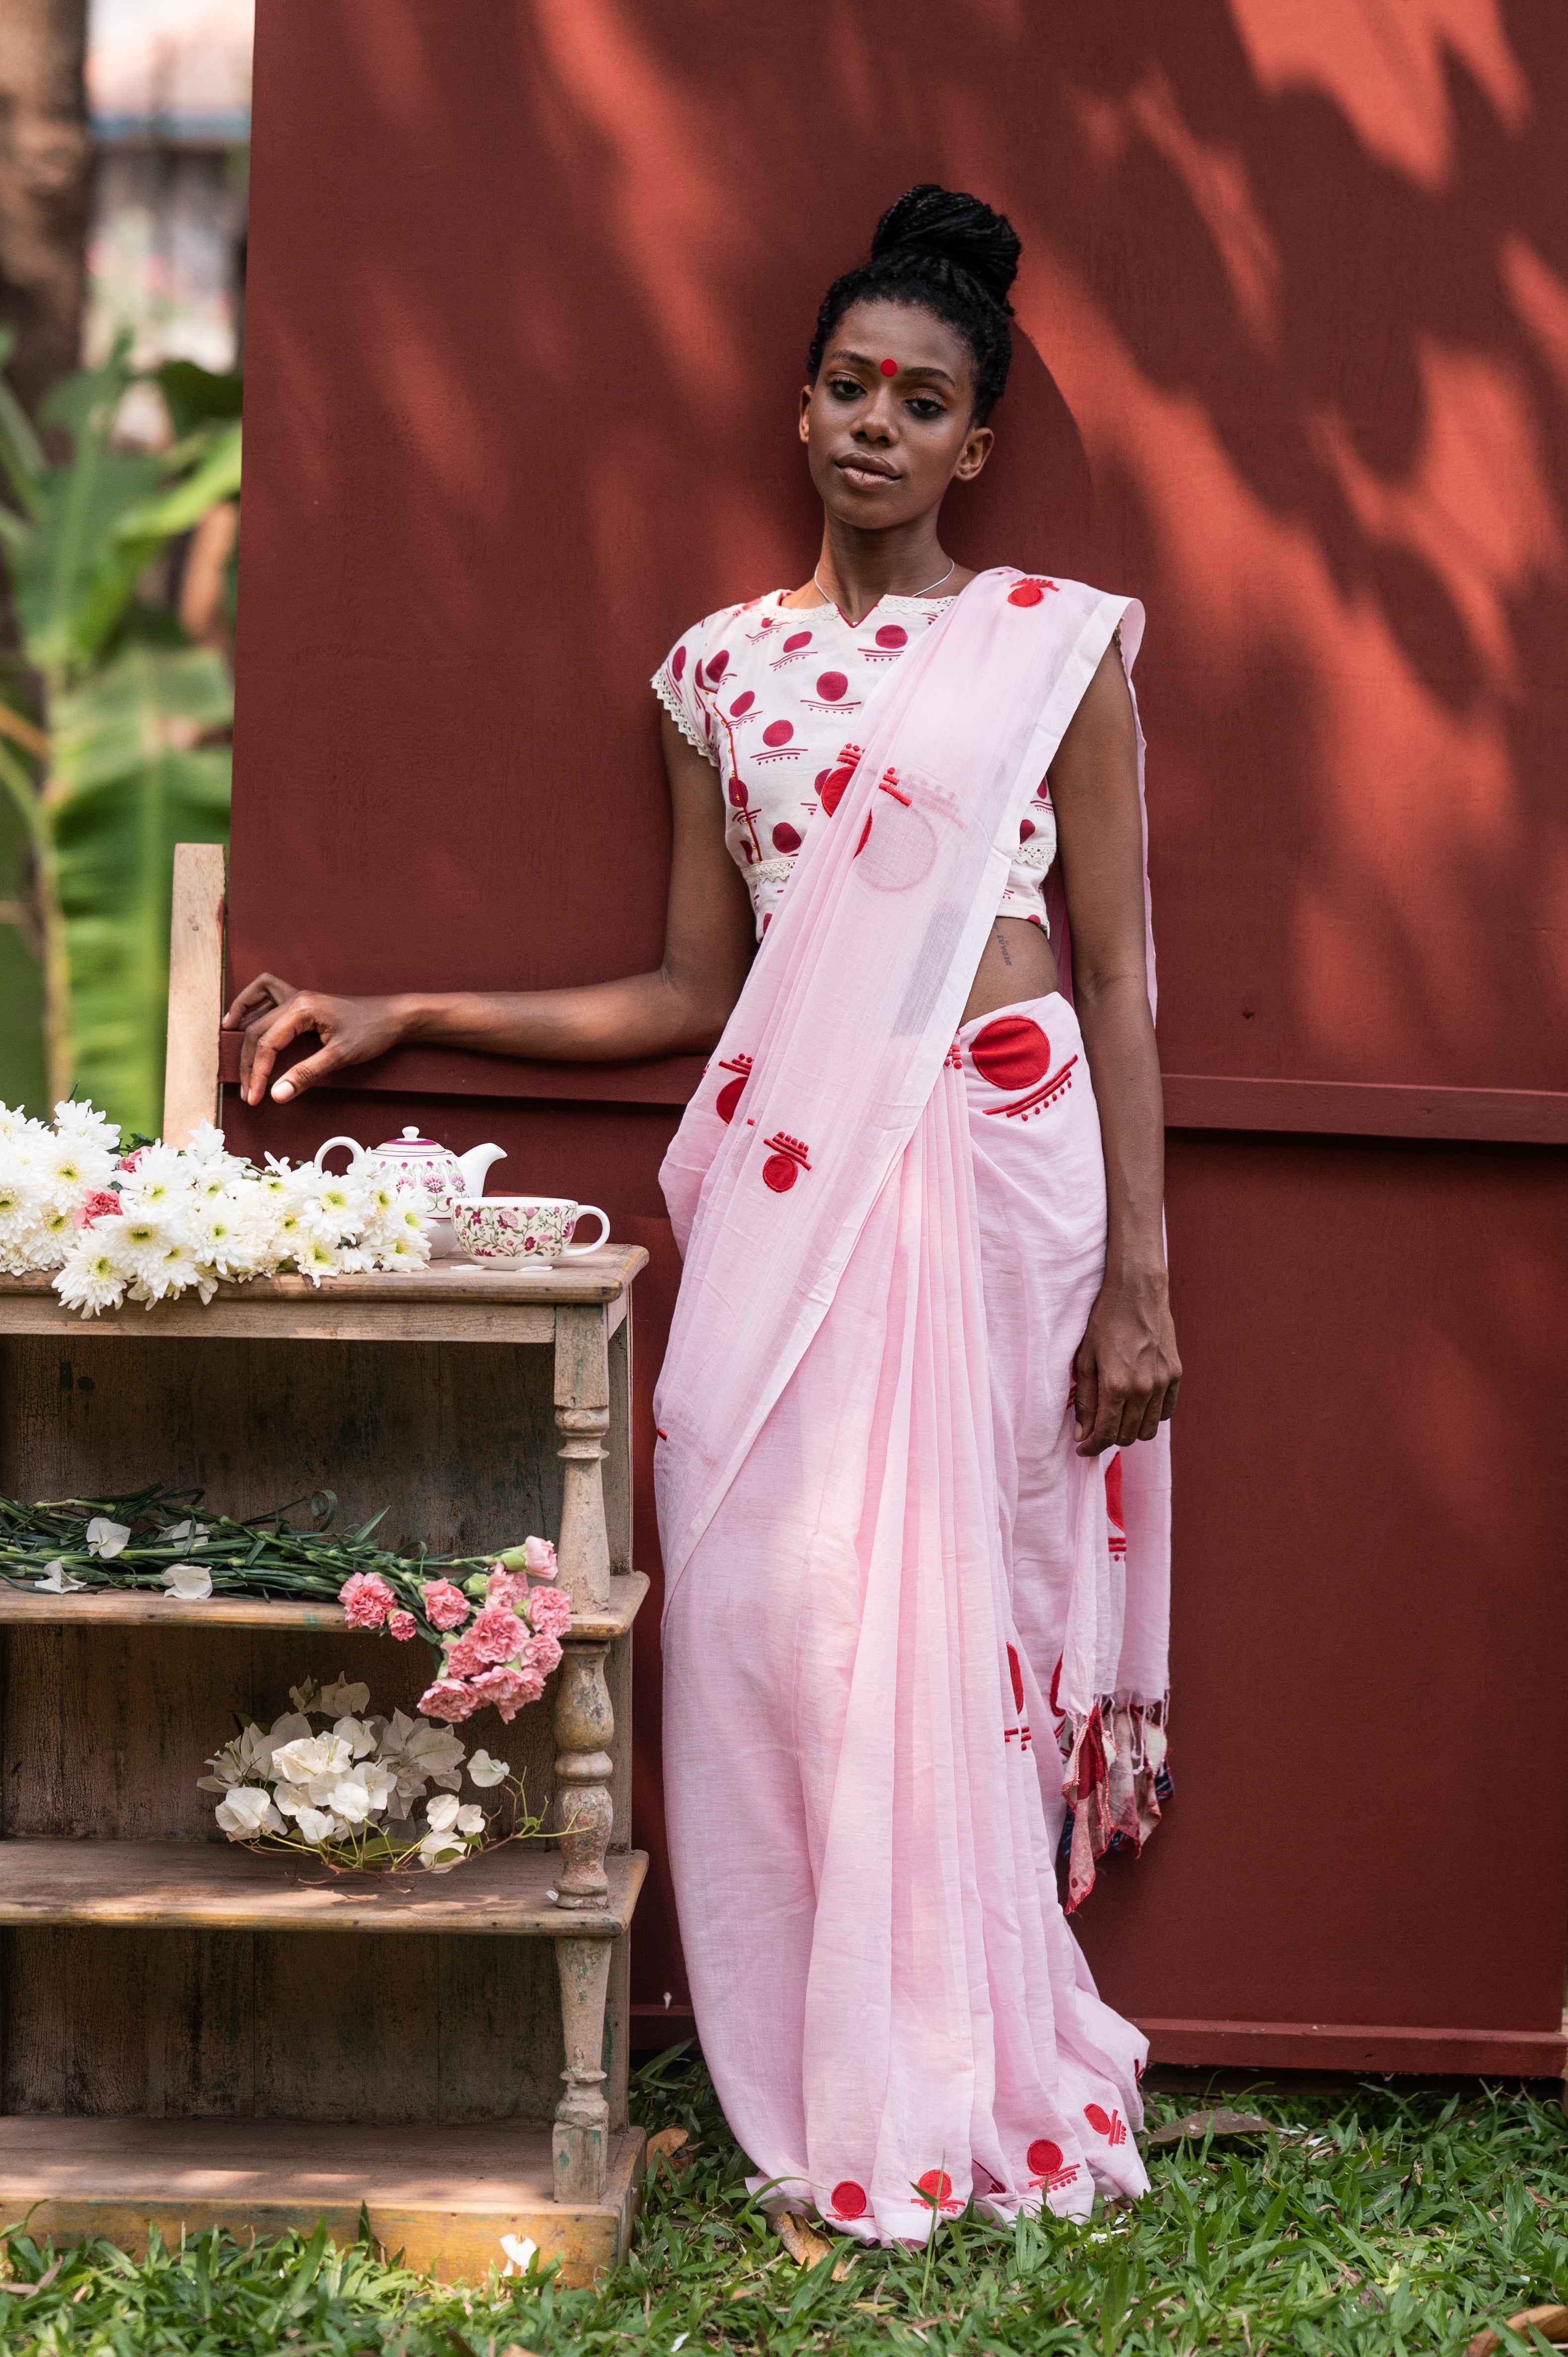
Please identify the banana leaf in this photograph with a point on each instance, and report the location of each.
(129, 782)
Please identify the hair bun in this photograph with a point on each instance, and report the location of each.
(958, 229)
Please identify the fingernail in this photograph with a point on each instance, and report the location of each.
(283, 1091)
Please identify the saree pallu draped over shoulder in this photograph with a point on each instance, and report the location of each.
(888, 1574)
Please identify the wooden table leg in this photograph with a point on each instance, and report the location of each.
(584, 1813)
(581, 2139)
(582, 1418)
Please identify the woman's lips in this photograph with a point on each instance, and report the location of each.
(855, 473)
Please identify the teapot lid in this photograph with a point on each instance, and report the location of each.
(410, 1142)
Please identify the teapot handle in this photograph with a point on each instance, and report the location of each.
(575, 1252)
(353, 1145)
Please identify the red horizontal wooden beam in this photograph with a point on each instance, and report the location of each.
(454, 1072)
(1366, 1109)
(1193, 1099)
(1354, 2046)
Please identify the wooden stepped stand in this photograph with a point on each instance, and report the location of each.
(195, 2035)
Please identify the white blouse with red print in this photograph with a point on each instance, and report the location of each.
(772, 698)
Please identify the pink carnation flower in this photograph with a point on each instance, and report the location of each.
(506, 1588)
(541, 1653)
(403, 1625)
(367, 1599)
(102, 1203)
(508, 1689)
(540, 1557)
(129, 1161)
(549, 1611)
(447, 1605)
(448, 1698)
(494, 1638)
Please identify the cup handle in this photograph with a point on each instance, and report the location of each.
(575, 1252)
(353, 1145)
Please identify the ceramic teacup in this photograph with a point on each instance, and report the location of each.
(522, 1227)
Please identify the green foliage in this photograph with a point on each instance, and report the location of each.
(1378, 2225)
(134, 718)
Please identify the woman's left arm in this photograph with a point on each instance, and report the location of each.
(1127, 1368)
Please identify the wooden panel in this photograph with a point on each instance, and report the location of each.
(445, 2198)
(160, 2023)
(1368, 1558)
(195, 990)
(457, 1440)
(319, 2025)
(1273, 434)
(107, 1729)
(213, 1883)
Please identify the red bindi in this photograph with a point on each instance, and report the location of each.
(889, 368)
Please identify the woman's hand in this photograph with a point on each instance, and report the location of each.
(1126, 1370)
(271, 1013)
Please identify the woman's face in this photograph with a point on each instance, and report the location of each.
(889, 424)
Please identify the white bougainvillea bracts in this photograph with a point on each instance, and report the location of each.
(357, 1794)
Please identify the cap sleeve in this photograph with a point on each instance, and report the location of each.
(674, 684)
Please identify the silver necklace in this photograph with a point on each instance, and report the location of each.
(891, 592)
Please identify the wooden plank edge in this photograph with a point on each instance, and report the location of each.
(1354, 2046)
(454, 2241)
(436, 1908)
(191, 1056)
(1366, 1109)
(145, 1608)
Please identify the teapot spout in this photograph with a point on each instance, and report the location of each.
(474, 1165)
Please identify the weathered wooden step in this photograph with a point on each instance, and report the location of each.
(444, 2195)
(213, 1886)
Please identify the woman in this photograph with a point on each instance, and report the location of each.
(924, 1314)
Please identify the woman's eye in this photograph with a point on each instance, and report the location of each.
(925, 408)
(843, 388)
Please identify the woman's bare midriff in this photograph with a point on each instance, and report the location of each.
(1016, 963)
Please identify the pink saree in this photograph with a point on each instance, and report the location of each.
(892, 1237)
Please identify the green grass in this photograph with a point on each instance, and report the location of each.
(1377, 2223)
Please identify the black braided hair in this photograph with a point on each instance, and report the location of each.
(936, 249)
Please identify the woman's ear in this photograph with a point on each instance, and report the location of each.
(805, 413)
(976, 450)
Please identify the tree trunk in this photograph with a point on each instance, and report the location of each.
(45, 183)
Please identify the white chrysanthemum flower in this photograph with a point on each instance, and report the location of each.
(91, 1279)
(159, 1174)
(138, 1243)
(316, 1258)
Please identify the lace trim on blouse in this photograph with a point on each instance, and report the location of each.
(672, 703)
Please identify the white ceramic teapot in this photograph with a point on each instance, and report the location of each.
(418, 1165)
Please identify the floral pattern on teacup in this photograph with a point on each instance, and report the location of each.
(492, 1228)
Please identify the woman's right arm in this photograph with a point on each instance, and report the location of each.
(685, 1005)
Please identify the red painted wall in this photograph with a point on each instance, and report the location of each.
(531, 284)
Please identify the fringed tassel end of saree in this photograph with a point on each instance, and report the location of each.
(1115, 1777)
